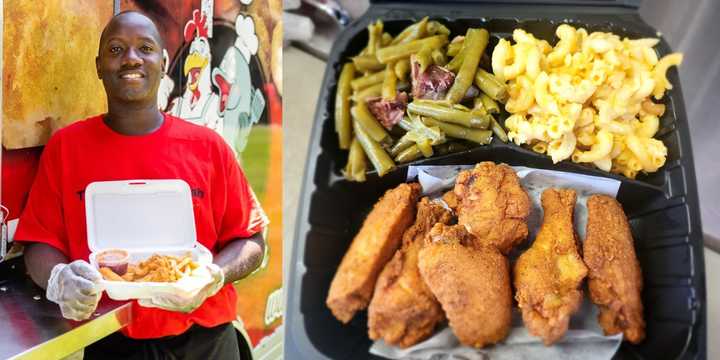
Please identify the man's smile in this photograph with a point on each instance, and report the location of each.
(132, 75)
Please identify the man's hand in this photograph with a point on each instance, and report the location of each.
(75, 287)
(187, 304)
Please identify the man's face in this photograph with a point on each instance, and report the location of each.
(130, 60)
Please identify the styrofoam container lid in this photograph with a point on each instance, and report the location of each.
(137, 214)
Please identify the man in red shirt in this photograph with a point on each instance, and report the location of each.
(134, 140)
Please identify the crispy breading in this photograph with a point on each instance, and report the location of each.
(451, 200)
(472, 283)
(549, 274)
(614, 278)
(373, 246)
(403, 311)
(493, 206)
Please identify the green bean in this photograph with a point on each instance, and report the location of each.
(412, 32)
(362, 115)
(342, 106)
(425, 148)
(498, 130)
(389, 86)
(434, 27)
(481, 137)
(386, 39)
(478, 105)
(471, 119)
(365, 63)
(491, 107)
(457, 60)
(409, 154)
(401, 145)
(367, 80)
(439, 57)
(454, 48)
(451, 147)
(356, 165)
(405, 124)
(399, 51)
(475, 42)
(490, 85)
(378, 157)
(461, 107)
(423, 58)
(402, 68)
(375, 32)
(368, 92)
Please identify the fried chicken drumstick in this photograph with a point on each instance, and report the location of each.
(403, 311)
(549, 274)
(614, 278)
(372, 247)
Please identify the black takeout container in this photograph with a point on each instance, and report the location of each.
(662, 207)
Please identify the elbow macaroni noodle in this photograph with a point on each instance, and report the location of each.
(587, 99)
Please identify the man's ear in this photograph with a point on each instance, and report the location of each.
(97, 67)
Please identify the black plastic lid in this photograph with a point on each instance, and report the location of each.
(623, 3)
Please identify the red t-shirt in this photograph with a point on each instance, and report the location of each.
(224, 205)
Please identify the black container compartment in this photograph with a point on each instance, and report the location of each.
(662, 207)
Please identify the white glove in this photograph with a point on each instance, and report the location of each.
(188, 302)
(76, 288)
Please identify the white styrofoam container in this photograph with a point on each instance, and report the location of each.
(144, 217)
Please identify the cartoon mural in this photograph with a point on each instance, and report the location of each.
(235, 105)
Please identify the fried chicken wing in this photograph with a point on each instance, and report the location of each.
(493, 206)
(471, 283)
(614, 278)
(372, 247)
(549, 274)
(403, 311)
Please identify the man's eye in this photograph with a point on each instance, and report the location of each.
(146, 48)
(115, 49)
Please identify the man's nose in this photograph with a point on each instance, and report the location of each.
(132, 58)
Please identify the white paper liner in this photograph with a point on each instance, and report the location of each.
(583, 340)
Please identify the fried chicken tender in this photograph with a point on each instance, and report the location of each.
(493, 206)
(549, 274)
(615, 278)
(472, 283)
(372, 247)
(403, 311)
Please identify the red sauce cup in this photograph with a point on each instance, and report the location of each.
(115, 259)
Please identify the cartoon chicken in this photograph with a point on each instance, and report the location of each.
(198, 104)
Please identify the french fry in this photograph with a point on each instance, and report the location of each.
(110, 275)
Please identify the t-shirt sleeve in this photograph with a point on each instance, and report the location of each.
(42, 218)
(243, 215)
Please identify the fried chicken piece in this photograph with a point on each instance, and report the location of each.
(451, 200)
(471, 283)
(493, 205)
(614, 278)
(403, 311)
(549, 274)
(372, 247)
